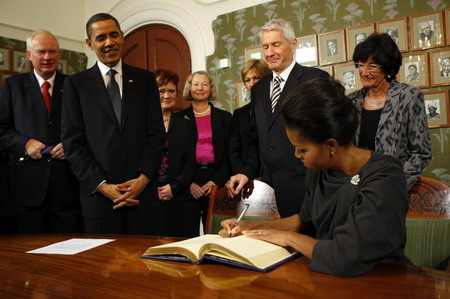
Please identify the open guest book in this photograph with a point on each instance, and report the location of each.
(238, 251)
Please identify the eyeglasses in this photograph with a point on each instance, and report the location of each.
(372, 67)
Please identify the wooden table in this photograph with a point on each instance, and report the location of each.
(115, 270)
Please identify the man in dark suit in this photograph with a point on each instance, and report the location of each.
(112, 130)
(44, 192)
(280, 168)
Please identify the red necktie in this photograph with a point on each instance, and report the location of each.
(46, 95)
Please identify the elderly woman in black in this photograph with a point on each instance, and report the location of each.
(393, 116)
(355, 205)
(211, 130)
(177, 207)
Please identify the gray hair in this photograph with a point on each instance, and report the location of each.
(37, 32)
(279, 24)
(187, 87)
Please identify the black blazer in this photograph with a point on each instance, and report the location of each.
(239, 138)
(99, 148)
(23, 116)
(279, 167)
(220, 125)
(181, 147)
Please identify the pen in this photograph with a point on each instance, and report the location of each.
(239, 218)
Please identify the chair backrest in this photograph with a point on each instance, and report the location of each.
(259, 195)
(428, 224)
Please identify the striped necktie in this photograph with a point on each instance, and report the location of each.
(275, 92)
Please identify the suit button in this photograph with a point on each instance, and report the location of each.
(49, 160)
(50, 123)
(270, 149)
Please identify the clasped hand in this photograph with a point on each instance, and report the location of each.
(124, 194)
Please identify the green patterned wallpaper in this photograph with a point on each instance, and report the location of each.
(240, 29)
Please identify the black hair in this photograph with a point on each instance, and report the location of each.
(99, 17)
(318, 109)
(383, 50)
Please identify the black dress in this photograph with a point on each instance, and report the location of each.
(358, 220)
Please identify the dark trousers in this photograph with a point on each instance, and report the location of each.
(54, 215)
(201, 177)
(180, 218)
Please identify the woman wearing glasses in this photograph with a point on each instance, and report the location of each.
(393, 117)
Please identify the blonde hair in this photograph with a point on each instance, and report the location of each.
(187, 87)
(257, 64)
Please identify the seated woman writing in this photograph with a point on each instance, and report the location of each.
(356, 201)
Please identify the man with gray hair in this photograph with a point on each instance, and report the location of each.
(270, 145)
(44, 192)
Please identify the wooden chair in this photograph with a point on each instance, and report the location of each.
(259, 195)
(428, 224)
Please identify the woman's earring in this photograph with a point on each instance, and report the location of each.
(331, 154)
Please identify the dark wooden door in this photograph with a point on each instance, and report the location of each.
(158, 46)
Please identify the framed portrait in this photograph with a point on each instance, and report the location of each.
(357, 34)
(447, 24)
(414, 70)
(332, 47)
(348, 75)
(242, 95)
(4, 59)
(20, 62)
(440, 67)
(427, 30)
(62, 66)
(256, 52)
(397, 29)
(306, 53)
(327, 68)
(437, 108)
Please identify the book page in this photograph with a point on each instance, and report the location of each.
(259, 253)
(189, 248)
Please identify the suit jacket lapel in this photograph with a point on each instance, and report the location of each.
(56, 94)
(128, 89)
(265, 91)
(32, 84)
(97, 86)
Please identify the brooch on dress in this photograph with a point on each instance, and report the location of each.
(355, 179)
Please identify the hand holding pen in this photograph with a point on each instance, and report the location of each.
(244, 210)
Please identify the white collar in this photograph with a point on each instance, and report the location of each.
(41, 80)
(104, 69)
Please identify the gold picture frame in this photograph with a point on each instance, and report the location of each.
(397, 29)
(427, 30)
(306, 52)
(357, 34)
(348, 75)
(329, 41)
(439, 116)
(62, 66)
(414, 70)
(328, 69)
(440, 67)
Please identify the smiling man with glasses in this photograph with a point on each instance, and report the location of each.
(393, 117)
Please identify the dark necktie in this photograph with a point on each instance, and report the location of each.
(275, 92)
(46, 95)
(114, 94)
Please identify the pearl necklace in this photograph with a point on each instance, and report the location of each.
(202, 113)
(377, 104)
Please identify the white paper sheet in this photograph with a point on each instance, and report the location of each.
(71, 246)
